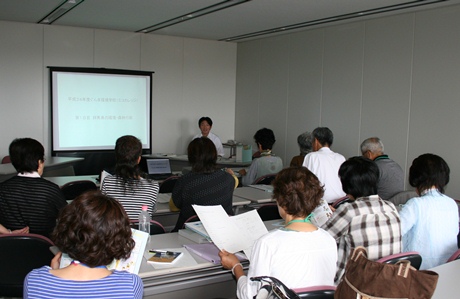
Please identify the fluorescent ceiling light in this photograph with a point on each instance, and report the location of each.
(59, 11)
(192, 15)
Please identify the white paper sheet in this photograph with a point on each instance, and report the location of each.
(234, 233)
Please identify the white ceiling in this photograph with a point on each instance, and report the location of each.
(258, 18)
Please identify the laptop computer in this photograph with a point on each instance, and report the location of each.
(159, 169)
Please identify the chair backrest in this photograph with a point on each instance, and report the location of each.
(414, 257)
(193, 218)
(20, 254)
(402, 197)
(454, 256)
(6, 159)
(156, 228)
(167, 185)
(316, 292)
(268, 212)
(73, 189)
(340, 201)
(265, 179)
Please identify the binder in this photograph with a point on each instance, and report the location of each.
(209, 252)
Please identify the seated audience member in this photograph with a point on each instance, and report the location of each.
(129, 184)
(367, 220)
(429, 223)
(305, 146)
(93, 230)
(205, 185)
(299, 254)
(391, 178)
(27, 199)
(4, 230)
(205, 125)
(325, 163)
(267, 163)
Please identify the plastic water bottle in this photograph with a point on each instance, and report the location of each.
(144, 220)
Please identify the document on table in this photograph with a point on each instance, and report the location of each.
(232, 233)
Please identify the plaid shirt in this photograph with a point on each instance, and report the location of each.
(368, 221)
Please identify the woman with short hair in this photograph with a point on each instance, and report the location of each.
(299, 254)
(93, 230)
(429, 223)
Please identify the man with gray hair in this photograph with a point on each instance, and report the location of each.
(391, 178)
(325, 163)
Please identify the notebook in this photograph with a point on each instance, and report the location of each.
(159, 169)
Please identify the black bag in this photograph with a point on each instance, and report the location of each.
(272, 288)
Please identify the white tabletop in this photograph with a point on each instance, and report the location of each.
(253, 194)
(163, 202)
(62, 180)
(448, 286)
(50, 162)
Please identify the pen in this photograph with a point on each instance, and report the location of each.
(166, 252)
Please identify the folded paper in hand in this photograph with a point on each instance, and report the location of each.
(232, 233)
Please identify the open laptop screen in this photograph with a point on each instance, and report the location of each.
(158, 166)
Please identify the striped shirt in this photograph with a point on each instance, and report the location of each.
(367, 221)
(30, 201)
(133, 196)
(41, 284)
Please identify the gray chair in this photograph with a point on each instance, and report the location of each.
(402, 197)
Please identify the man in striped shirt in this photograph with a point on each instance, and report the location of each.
(27, 199)
(367, 220)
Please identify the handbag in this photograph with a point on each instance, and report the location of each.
(373, 280)
(273, 288)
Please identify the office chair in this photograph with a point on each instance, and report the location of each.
(412, 256)
(454, 256)
(402, 197)
(6, 159)
(167, 185)
(268, 212)
(193, 218)
(316, 292)
(340, 201)
(265, 179)
(73, 189)
(156, 228)
(20, 254)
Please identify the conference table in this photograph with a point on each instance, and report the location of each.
(201, 280)
(62, 180)
(448, 286)
(179, 162)
(54, 166)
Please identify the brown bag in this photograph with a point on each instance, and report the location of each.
(371, 280)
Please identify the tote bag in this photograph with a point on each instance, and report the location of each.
(368, 279)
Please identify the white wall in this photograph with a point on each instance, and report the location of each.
(396, 77)
(193, 78)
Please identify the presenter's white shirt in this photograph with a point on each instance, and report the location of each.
(298, 259)
(216, 140)
(325, 164)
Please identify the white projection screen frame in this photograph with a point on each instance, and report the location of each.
(92, 107)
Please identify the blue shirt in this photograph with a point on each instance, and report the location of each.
(429, 225)
(40, 283)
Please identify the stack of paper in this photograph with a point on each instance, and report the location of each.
(198, 228)
(231, 233)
